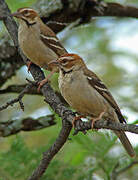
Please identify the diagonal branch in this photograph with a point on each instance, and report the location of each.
(127, 167)
(115, 173)
(51, 152)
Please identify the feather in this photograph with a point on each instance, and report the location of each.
(97, 84)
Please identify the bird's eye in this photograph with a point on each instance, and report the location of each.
(64, 61)
(25, 12)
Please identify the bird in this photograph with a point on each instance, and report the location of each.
(87, 94)
(37, 41)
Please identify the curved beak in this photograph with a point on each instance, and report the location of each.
(16, 14)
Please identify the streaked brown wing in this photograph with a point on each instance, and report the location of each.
(97, 84)
(53, 43)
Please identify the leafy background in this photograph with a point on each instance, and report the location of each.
(109, 47)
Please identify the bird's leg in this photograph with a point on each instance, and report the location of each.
(97, 118)
(41, 83)
(29, 65)
(76, 118)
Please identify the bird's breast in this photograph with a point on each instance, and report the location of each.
(80, 95)
(34, 48)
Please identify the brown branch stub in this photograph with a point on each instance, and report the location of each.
(118, 10)
(28, 124)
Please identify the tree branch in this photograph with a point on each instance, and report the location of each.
(105, 124)
(116, 173)
(51, 152)
(18, 99)
(31, 91)
(10, 60)
(29, 124)
(19, 88)
(84, 10)
(127, 167)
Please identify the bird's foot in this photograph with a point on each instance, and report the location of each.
(41, 83)
(76, 118)
(29, 65)
(44, 81)
(96, 119)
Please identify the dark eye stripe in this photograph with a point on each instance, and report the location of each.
(69, 58)
(64, 61)
(25, 11)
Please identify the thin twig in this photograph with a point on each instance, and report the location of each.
(18, 99)
(32, 91)
(116, 173)
(19, 88)
(113, 174)
(127, 167)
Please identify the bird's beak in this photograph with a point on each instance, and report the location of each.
(53, 63)
(16, 14)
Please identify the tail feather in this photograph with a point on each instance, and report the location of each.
(126, 143)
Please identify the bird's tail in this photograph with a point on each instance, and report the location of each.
(126, 143)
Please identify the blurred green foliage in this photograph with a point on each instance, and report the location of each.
(84, 157)
(15, 4)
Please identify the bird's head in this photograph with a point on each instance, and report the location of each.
(27, 15)
(68, 62)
